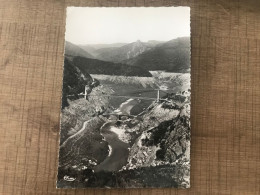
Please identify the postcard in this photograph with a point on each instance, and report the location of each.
(125, 113)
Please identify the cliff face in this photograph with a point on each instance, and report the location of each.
(177, 139)
(163, 142)
(164, 138)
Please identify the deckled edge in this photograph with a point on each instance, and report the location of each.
(105, 7)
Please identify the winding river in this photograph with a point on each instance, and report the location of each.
(117, 158)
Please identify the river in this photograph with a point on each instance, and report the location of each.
(119, 154)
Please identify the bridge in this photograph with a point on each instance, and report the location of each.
(159, 91)
(119, 116)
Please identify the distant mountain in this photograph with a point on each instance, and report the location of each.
(74, 81)
(89, 49)
(100, 46)
(153, 43)
(93, 66)
(171, 56)
(118, 54)
(93, 48)
(74, 50)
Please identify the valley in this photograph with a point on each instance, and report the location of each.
(144, 87)
(169, 56)
(123, 144)
(125, 115)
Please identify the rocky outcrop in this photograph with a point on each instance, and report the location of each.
(177, 142)
(172, 56)
(164, 138)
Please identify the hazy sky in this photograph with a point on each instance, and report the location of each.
(125, 25)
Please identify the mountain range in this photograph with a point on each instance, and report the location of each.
(128, 51)
(170, 56)
(94, 66)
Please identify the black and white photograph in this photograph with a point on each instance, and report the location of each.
(125, 113)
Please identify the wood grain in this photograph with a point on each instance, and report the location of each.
(225, 154)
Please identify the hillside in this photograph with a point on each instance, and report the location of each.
(93, 66)
(172, 56)
(68, 156)
(74, 82)
(74, 50)
(89, 49)
(118, 54)
(93, 49)
(164, 135)
(159, 142)
(161, 139)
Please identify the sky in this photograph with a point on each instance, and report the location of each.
(92, 25)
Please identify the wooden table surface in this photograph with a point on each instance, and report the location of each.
(225, 150)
